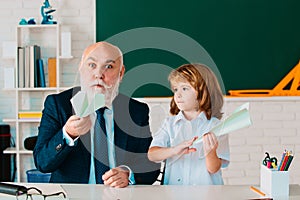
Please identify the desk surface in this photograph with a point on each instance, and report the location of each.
(159, 192)
(168, 192)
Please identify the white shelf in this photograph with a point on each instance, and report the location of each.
(38, 26)
(6, 120)
(13, 150)
(33, 120)
(48, 37)
(38, 89)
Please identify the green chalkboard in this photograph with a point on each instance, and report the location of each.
(249, 44)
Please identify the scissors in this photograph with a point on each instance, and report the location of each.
(270, 162)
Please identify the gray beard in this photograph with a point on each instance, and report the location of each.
(109, 94)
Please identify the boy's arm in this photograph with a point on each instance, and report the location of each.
(158, 154)
(210, 145)
(213, 162)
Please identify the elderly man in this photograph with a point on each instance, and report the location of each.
(109, 146)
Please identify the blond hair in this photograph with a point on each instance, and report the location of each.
(204, 81)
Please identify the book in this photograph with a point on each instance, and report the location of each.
(27, 67)
(52, 72)
(35, 54)
(29, 114)
(21, 67)
(41, 73)
(31, 67)
(37, 57)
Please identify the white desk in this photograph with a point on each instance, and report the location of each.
(157, 192)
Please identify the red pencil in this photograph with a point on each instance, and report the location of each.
(284, 162)
(288, 163)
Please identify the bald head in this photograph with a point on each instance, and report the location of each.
(100, 48)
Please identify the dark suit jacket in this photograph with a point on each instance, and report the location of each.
(71, 164)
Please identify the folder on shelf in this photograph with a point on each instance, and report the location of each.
(52, 72)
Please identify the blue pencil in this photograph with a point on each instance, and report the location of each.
(283, 155)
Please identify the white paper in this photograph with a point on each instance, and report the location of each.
(83, 107)
(240, 118)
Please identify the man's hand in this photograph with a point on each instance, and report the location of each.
(116, 177)
(76, 126)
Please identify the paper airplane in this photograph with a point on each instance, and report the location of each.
(240, 118)
(83, 107)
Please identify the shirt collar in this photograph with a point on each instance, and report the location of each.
(180, 117)
(109, 110)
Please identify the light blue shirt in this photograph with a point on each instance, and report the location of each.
(190, 169)
(109, 125)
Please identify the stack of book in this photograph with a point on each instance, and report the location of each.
(30, 67)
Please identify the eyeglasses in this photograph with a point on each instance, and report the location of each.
(38, 195)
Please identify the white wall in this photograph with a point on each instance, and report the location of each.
(275, 120)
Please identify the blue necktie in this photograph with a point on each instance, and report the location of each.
(100, 147)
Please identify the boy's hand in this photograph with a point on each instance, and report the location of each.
(210, 143)
(184, 147)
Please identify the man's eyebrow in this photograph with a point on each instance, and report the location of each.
(107, 61)
(91, 58)
(110, 61)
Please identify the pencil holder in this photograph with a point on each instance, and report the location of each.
(274, 182)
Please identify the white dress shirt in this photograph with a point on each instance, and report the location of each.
(190, 169)
(109, 125)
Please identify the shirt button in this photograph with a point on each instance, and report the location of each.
(58, 147)
(179, 180)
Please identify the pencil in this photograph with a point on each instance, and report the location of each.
(288, 162)
(286, 157)
(257, 191)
